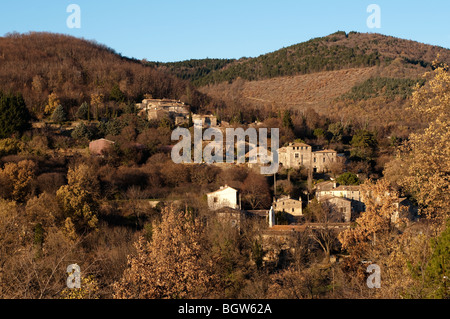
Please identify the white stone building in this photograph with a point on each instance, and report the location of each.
(225, 197)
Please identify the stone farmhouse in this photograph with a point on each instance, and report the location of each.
(346, 199)
(177, 111)
(155, 109)
(340, 204)
(288, 205)
(297, 155)
(225, 197)
(206, 120)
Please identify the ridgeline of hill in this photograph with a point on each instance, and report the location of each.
(37, 64)
(355, 76)
(334, 52)
(360, 77)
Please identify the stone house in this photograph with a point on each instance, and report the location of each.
(341, 205)
(225, 197)
(207, 120)
(288, 205)
(234, 217)
(351, 193)
(156, 109)
(297, 155)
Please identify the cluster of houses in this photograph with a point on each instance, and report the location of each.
(176, 111)
(345, 200)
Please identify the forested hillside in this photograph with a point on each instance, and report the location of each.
(361, 78)
(193, 70)
(334, 52)
(38, 64)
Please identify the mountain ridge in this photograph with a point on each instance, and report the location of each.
(333, 52)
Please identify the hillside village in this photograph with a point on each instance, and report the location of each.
(345, 202)
(87, 175)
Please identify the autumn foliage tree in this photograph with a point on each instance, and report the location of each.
(376, 239)
(170, 265)
(424, 159)
(78, 200)
(53, 102)
(15, 179)
(375, 225)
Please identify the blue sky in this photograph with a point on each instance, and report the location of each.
(174, 30)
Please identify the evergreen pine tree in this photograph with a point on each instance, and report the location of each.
(14, 115)
(83, 111)
(59, 115)
(116, 94)
(287, 120)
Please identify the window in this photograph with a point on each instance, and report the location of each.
(315, 159)
(297, 155)
(293, 209)
(324, 159)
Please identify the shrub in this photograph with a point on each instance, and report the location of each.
(82, 132)
(348, 178)
(9, 146)
(59, 115)
(83, 112)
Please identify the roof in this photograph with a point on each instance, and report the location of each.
(325, 151)
(222, 188)
(285, 229)
(352, 188)
(329, 197)
(299, 144)
(259, 151)
(202, 115)
(325, 186)
(284, 198)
